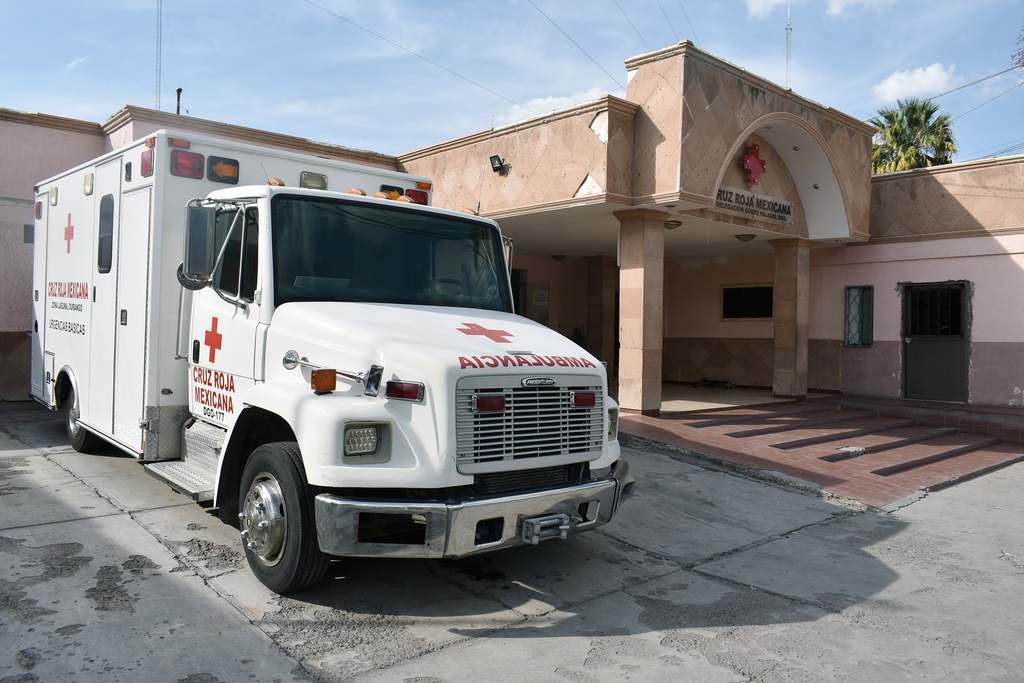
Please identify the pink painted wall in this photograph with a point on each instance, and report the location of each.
(693, 296)
(31, 154)
(994, 265)
(567, 288)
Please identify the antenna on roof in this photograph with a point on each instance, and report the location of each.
(159, 12)
(789, 45)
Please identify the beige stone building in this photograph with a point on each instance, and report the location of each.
(711, 225)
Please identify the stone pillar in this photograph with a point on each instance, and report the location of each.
(602, 286)
(792, 312)
(641, 309)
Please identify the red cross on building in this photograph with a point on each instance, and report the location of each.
(69, 233)
(753, 163)
(213, 340)
(493, 335)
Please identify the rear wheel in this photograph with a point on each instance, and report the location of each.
(82, 440)
(278, 520)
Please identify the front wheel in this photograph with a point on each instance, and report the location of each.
(278, 520)
(82, 440)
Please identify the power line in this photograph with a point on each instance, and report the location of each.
(982, 104)
(689, 22)
(966, 85)
(415, 54)
(631, 24)
(674, 32)
(574, 43)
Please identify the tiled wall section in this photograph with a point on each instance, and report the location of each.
(970, 197)
(548, 160)
(746, 362)
(823, 365)
(720, 105)
(15, 357)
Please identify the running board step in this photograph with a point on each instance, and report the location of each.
(183, 478)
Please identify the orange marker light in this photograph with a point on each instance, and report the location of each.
(324, 381)
(177, 142)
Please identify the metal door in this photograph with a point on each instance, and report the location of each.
(935, 336)
(40, 384)
(98, 400)
(131, 317)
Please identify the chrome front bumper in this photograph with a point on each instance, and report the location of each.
(457, 530)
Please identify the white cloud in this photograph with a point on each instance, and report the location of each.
(838, 7)
(759, 9)
(75, 62)
(928, 81)
(542, 105)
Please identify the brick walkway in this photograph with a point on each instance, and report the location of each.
(876, 453)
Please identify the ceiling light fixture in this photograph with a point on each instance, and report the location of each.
(745, 238)
(672, 225)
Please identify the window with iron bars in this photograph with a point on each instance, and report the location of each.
(860, 316)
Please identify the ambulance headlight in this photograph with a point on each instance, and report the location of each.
(613, 424)
(367, 442)
(361, 440)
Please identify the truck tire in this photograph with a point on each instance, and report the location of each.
(82, 440)
(278, 520)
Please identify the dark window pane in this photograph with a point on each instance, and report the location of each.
(747, 302)
(105, 246)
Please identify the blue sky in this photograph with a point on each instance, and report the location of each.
(289, 66)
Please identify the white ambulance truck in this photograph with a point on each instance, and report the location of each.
(339, 374)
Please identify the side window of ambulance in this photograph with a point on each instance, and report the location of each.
(240, 255)
(105, 245)
(249, 253)
(225, 278)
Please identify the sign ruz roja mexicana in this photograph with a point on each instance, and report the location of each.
(740, 202)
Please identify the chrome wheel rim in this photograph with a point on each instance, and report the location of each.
(73, 427)
(262, 520)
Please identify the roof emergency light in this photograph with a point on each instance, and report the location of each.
(392, 191)
(188, 164)
(313, 181)
(147, 163)
(417, 196)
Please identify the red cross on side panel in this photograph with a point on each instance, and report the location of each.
(213, 340)
(69, 233)
(753, 163)
(493, 335)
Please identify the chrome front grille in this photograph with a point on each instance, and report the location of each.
(537, 423)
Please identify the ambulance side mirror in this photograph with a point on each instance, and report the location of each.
(200, 251)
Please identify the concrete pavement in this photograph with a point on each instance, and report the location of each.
(705, 576)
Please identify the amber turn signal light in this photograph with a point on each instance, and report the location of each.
(324, 381)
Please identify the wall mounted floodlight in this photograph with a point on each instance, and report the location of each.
(497, 164)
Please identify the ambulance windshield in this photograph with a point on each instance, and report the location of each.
(334, 250)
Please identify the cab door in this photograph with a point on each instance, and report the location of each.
(225, 316)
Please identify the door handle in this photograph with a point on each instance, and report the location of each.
(908, 340)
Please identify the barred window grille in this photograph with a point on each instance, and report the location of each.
(859, 316)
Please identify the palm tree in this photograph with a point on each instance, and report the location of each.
(911, 136)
